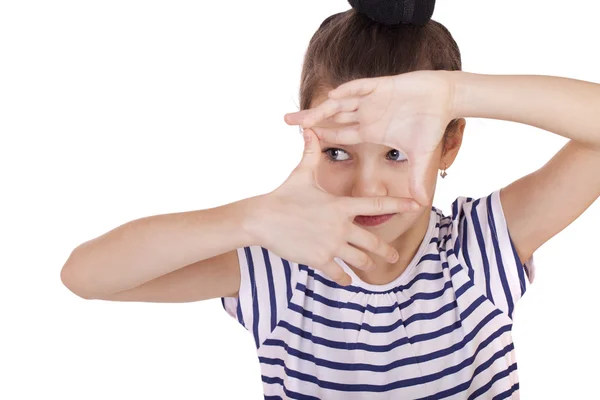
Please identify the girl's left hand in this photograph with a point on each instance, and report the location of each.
(408, 112)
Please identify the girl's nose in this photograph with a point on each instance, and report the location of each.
(367, 183)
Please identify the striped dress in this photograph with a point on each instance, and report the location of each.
(441, 330)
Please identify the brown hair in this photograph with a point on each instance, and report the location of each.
(350, 46)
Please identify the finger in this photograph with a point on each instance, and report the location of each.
(343, 135)
(369, 241)
(345, 117)
(357, 87)
(378, 205)
(312, 150)
(297, 117)
(329, 108)
(357, 258)
(337, 273)
(418, 172)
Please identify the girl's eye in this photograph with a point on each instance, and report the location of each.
(395, 155)
(336, 154)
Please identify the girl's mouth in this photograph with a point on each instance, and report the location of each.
(367, 220)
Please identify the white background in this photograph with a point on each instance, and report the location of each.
(114, 110)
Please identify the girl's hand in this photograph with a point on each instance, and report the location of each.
(408, 112)
(301, 222)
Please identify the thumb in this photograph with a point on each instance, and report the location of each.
(312, 150)
(418, 173)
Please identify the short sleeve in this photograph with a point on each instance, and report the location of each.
(483, 242)
(266, 282)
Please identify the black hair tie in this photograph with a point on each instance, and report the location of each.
(395, 12)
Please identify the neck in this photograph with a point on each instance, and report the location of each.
(407, 245)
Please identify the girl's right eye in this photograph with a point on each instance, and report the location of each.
(336, 155)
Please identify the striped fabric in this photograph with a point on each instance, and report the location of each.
(441, 330)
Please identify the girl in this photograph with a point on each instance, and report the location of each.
(351, 283)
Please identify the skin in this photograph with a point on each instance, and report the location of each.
(369, 170)
(407, 111)
(536, 206)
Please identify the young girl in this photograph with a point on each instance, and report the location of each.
(351, 283)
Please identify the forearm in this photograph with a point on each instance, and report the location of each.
(567, 107)
(147, 248)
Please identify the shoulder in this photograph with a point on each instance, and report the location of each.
(483, 212)
(477, 224)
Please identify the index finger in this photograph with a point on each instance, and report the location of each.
(357, 87)
(378, 205)
(313, 116)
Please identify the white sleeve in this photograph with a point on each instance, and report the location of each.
(266, 286)
(483, 242)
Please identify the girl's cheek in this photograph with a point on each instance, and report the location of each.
(334, 181)
(397, 183)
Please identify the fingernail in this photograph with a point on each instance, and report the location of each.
(415, 206)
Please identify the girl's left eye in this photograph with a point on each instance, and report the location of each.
(395, 155)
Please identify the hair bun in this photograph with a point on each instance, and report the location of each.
(395, 12)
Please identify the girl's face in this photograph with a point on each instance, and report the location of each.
(370, 170)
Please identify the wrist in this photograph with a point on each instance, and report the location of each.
(461, 83)
(481, 95)
(250, 214)
(457, 94)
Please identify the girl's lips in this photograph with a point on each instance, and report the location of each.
(366, 220)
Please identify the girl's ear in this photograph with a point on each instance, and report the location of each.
(452, 143)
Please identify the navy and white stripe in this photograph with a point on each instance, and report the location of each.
(441, 330)
(488, 251)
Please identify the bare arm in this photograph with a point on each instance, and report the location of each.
(207, 279)
(175, 257)
(192, 256)
(543, 203)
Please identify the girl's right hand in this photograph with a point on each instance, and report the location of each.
(302, 223)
